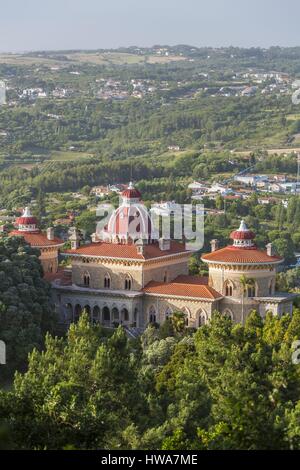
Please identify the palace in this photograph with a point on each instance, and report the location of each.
(27, 227)
(127, 279)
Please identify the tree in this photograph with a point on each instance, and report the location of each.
(81, 392)
(178, 322)
(26, 313)
(226, 386)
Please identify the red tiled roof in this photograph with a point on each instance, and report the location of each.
(231, 254)
(184, 286)
(131, 193)
(126, 251)
(37, 239)
(231, 197)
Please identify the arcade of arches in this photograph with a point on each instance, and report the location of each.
(106, 316)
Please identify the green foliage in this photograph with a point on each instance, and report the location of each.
(226, 387)
(81, 392)
(25, 310)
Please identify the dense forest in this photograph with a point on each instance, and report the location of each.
(223, 387)
(26, 313)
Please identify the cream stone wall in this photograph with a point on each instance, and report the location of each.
(276, 309)
(163, 306)
(140, 273)
(238, 310)
(118, 272)
(218, 276)
(173, 268)
(49, 259)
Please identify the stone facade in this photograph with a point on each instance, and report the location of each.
(222, 277)
(120, 279)
(49, 259)
(197, 312)
(89, 289)
(118, 271)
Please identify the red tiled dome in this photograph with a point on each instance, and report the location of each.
(131, 192)
(132, 221)
(26, 221)
(243, 233)
(239, 235)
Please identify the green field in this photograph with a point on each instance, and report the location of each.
(293, 117)
(68, 155)
(96, 58)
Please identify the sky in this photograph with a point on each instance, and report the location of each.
(27, 25)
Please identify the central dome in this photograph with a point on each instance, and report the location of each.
(131, 221)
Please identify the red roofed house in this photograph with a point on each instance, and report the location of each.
(131, 278)
(46, 243)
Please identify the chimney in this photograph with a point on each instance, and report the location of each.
(270, 249)
(140, 247)
(164, 245)
(214, 245)
(95, 237)
(50, 233)
(75, 240)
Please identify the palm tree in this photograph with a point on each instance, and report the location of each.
(178, 322)
(246, 283)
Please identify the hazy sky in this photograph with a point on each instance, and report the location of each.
(76, 24)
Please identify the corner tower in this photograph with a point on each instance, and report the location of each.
(246, 276)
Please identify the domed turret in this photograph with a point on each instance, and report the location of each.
(27, 222)
(131, 194)
(47, 243)
(243, 237)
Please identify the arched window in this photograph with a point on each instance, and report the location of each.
(271, 287)
(251, 291)
(152, 315)
(107, 281)
(115, 314)
(228, 289)
(77, 312)
(187, 316)
(69, 313)
(202, 318)
(128, 283)
(87, 309)
(168, 313)
(96, 314)
(86, 279)
(125, 315)
(165, 277)
(228, 313)
(106, 315)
